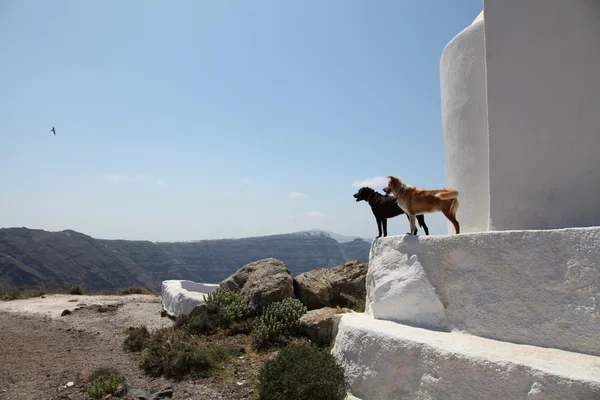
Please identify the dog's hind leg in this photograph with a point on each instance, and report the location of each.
(378, 226)
(422, 224)
(413, 225)
(450, 213)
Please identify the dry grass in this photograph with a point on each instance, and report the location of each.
(8, 293)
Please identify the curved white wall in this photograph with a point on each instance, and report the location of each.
(180, 297)
(543, 88)
(464, 123)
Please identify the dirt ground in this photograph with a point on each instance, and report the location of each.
(40, 351)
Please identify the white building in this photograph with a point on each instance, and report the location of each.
(521, 115)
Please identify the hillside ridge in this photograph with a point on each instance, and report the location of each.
(30, 257)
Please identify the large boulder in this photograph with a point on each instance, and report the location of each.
(338, 286)
(321, 325)
(265, 281)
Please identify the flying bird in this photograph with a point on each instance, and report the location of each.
(53, 130)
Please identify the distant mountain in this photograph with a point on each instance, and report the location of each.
(335, 236)
(29, 257)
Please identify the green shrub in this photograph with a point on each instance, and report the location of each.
(223, 309)
(358, 305)
(231, 306)
(135, 290)
(104, 381)
(76, 290)
(277, 319)
(13, 293)
(203, 321)
(168, 353)
(41, 290)
(302, 372)
(136, 339)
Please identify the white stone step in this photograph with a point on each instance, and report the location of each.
(181, 297)
(531, 287)
(386, 360)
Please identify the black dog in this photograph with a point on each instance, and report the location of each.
(384, 207)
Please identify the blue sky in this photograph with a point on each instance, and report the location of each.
(195, 119)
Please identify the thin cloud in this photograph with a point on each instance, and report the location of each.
(374, 181)
(316, 214)
(246, 181)
(114, 177)
(297, 195)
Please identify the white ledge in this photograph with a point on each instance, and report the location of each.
(537, 287)
(386, 360)
(180, 297)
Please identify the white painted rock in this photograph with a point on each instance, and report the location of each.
(180, 297)
(398, 288)
(533, 287)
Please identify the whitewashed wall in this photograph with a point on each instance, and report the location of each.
(464, 123)
(543, 87)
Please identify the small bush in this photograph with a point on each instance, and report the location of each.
(136, 339)
(302, 372)
(41, 290)
(358, 305)
(204, 321)
(223, 309)
(135, 290)
(277, 319)
(16, 293)
(76, 290)
(168, 353)
(231, 306)
(104, 381)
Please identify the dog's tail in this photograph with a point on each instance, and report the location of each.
(447, 194)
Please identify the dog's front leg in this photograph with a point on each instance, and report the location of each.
(384, 222)
(413, 225)
(378, 227)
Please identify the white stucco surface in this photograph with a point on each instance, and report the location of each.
(520, 115)
(180, 297)
(464, 125)
(403, 293)
(385, 360)
(543, 63)
(531, 287)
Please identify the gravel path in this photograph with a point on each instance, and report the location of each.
(40, 351)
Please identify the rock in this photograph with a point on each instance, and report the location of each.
(65, 312)
(265, 281)
(166, 393)
(164, 313)
(107, 308)
(326, 287)
(138, 394)
(320, 325)
(121, 389)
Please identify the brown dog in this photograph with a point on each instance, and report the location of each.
(420, 201)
